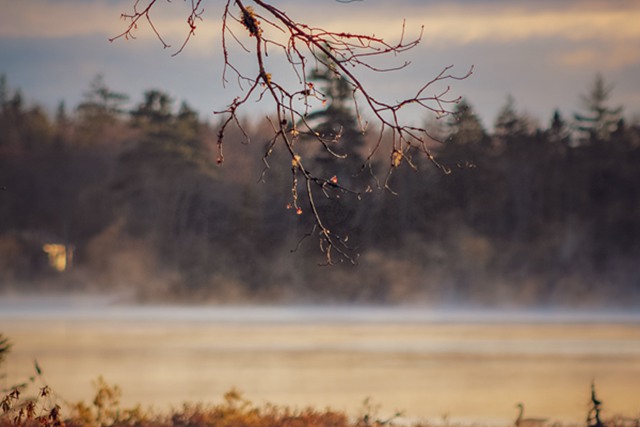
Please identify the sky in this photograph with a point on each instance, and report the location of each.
(544, 53)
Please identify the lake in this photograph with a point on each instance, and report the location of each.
(462, 365)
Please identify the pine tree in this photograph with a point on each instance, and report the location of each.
(4, 91)
(509, 123)
(558, 132)
(101, 104)
(598, 121)
(154, 114)
(338, 126)
(99, 112)
(465, 126)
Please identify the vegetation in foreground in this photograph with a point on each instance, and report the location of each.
(105, 410)
(235, 411)
(20, 408)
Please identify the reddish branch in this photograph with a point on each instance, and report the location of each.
(266, 26)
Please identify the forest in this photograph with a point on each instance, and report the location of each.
(122, 196)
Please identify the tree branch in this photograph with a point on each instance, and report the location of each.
(343, 54)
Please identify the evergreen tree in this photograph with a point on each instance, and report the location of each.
(465, 126)
(338, 125)
(558, 132)
(598, 121)
(187, 125)
(154, 116)
(101, 109)
(62, 118)
(519, 161)
(4, 91)
(15, 104)
(509, 123)
(154, 113)
(101, 105)
(62, 124)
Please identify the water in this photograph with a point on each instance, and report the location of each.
(466, 365)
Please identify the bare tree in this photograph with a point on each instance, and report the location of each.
(258, 27)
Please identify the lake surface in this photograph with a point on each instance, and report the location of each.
(466, 365)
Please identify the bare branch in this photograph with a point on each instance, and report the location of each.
(343, 54)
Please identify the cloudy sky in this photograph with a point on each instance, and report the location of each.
(545, 53)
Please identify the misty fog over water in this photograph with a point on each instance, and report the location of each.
(467, 364)
(105, 307)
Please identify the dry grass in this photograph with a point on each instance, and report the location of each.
(105, 410)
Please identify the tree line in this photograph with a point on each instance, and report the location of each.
(522, 214)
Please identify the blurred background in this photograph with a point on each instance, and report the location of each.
(110, 197)
(109, 179)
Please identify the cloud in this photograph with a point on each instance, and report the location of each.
(482, 22)
(453, 21)
(60, 19)
(600, 57)
(64, 18)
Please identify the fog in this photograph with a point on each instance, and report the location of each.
(118, 308)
